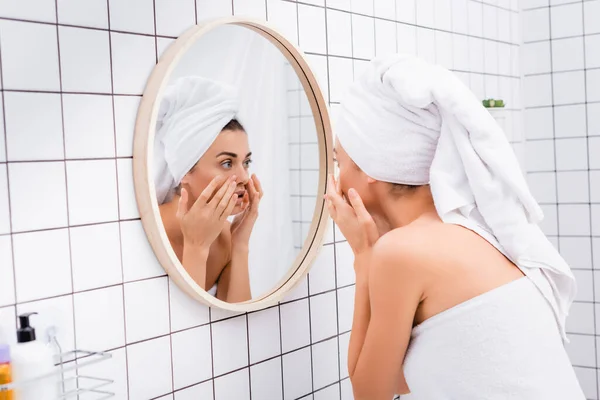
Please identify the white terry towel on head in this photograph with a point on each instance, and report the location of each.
(410, 122)
(192, 113)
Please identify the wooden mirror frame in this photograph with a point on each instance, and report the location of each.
(143, 145)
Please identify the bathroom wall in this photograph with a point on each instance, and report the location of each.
(561, 64)
(71, 243)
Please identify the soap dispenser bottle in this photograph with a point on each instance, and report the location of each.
(32, 359)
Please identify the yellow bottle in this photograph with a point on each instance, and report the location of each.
(5, 373)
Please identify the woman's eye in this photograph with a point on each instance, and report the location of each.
(247, 163)
(226, 164)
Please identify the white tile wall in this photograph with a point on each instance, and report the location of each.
(73, 90)
(560, 57)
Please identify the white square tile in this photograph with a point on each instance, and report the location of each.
(460, 47)
(384, 9)
(344, 264)
(8, 324)
(549, 224)
(265, 380)
(594, 150)
(573, 187)
(149, 368)
(577, 252)
(297, 380)
(331, 392)
(146, 309)
(308, 205)
(573, 219)
(202, 391)
(585, 283)
(536, 58)
(385, 36)
(443, 15)
(49, 264)
(55, 312)
(346, 390)
(96, 256)
(186, 312)
(88, 124)
(490, 64)
(125, 114)
(283, 16)
(4, 208)
(538, 90)
(592, 51)
(299, 291)
(264, 334)
(127, 201)
(571, 154)
(100, 319)
(595, 186)
(527, 4)
(323, 316)
(341, 76)
(115, 369)
(491, 86)
(593, 83)
(475, 18)
(133, 58)
(92, 13)
(230, 345)
(250, 8)
(536, 25)
(476, 58)
(406, 11)
(406, 39)
(7, 284)
(325, 363)
(364, 7)
(543, 186)
(567, 54)
(192, 359)
(139, 261)
(33, 126)
(569, 87)
(311, 22)
(295, 330)
(34, 10)
(425, 13)
(132, 16)
(504, 25)
(581, 318)
(587, 381)
(460, 23)
(596, 219)
(235, 386)
(569, 121)
(173, 17)
(591, 12)
(345, 308)
(207, 9)
(340, 4)
(426, 44)
(566, 20)
(538, 123)
(2, 137)
(490, 22)
(92, 188)
(444, 51)
(29, 56)
(581, 350)
(84, 60)
(322, 273)
(363, 37)
(596, 281)
(477, 85)
(218, 314)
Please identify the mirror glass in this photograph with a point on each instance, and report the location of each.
(234, 106)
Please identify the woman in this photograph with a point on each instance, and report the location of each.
(202, 159)
(459, 295)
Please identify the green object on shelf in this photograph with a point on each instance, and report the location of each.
(486, 103)
(493, 103)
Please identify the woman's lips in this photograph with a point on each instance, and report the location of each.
(240, 194)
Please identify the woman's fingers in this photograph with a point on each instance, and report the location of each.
(364, 218)
(182, 206)
(333, 195)
(258, 185)
(230, 206)
(208, 192)
(220, 195)
(227, 197)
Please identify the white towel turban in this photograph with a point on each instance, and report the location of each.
(192, 113)
(410, 122)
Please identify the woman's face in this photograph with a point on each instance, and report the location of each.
(228, 155)
(351, 176)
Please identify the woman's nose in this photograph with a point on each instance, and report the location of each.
(242, 175)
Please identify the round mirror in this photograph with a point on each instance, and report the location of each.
(231, 153)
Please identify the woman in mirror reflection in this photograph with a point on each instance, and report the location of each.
(201, 173)
(459, 294)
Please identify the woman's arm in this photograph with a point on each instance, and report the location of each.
(194, 261)
(362, 311)
(394, 293)
(234, 282)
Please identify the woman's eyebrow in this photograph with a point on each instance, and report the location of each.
(226, 153)
(248, 155)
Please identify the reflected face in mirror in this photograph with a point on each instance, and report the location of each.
(228, 156)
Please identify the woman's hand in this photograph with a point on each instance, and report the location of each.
(242, 225)
(202, 223)
(353, 219)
